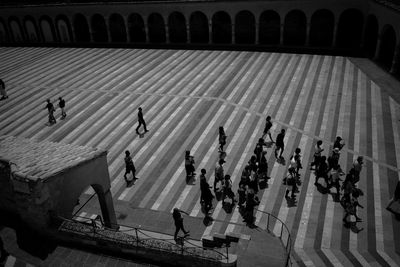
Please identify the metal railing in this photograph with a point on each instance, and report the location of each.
(282, 232)
(136, 237)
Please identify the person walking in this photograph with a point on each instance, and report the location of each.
(267, 129)
(61, 104)
(206, 196)
(219, 176)
(279, 144)
(339, 143)
(317, 155)
(178, 220)
(50, 108)
(3, 91)
(222, 138)
(129, 167)
(141, 121)
(357, 166)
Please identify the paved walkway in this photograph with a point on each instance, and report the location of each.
(186, 95)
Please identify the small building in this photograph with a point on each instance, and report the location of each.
(42, 179)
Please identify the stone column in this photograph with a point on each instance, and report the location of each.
(281, 37)
(108, 30)
(210, 31)
(396, 61)
(167, 33)
(308, 34)
(257, 33)
(90, 30)
(107, 210)
(335, 28)
(378, 48)
(188, 39)
(146, 29)
(233, 33)
(128, 36)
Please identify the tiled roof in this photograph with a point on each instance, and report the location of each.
(42, 159)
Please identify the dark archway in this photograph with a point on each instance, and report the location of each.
(47, 30)
(137, 32)
(295, 28)
(269, 28)
(117, 28)
(221, 28)
(99, 28)
(31, 30)
(199, 28)
(322, 27)
(371, 36)
(16, 30)
(245, 31)
(388, 46)
(156, 26)
(350, 28)
(63, 28)
(81, 28)
(4, 37)
(177, 28)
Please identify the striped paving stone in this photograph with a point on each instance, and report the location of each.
(186, 96)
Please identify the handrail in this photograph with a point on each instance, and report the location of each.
(288, 246)
(90, 223)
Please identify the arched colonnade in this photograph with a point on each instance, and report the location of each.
(349, 29)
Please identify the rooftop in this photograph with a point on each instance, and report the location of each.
(42, 159)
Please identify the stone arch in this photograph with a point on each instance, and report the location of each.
(47, 29)
(117, 28)
(388, 46)
(81, 28)
(295, 28)
(221, 28)
(177, 28)
(321, 28)
(156, 28)
(63, 28)
(371, 36)
(16, 30)
(269, 28)
(99, 28)
(245, 30)
(4, 38)
(350, 28)
(137, 32)
(199, 32)
(31, 30)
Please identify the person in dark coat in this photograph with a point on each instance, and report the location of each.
(50, 108)
(3, 91)
(129, 167)
(178, 220)
(222, 138)
(141, 121)
(61, 104)
(280, 146)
